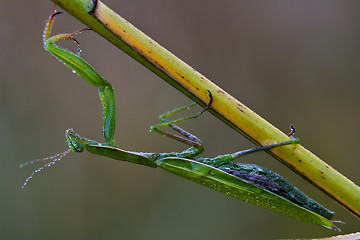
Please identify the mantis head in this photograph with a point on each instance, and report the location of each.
(75, 142)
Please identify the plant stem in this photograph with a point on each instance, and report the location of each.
(188, 81)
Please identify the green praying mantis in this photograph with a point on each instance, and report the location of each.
(247, 182)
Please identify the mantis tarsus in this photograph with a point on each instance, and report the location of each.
(247, 182)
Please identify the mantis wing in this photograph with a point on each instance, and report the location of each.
(238, 188)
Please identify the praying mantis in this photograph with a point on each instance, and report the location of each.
(247, 182)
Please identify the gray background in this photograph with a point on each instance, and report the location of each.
(290, 61)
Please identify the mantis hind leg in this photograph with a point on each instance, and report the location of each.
(227, 158)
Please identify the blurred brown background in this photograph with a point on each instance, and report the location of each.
(290, 61)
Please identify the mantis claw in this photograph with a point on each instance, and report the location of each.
(292, 130)
(209, 103)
